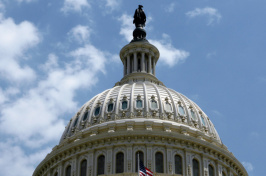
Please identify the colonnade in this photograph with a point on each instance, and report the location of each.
(139, 62)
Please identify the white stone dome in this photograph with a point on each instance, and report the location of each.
(144, 101)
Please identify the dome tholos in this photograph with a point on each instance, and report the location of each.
(140, 118)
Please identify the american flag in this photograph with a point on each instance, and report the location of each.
(144, 171)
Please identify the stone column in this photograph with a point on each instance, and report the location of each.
(108, 161)
(219, 170)
(60, 170)
(129, 159)
(188, 163)
(205, 165)
(149, 63)
(128, 64)
(135, 63)
(153, 65)
(90, 169)
(143, 62)
(149, 158)
(169, 163)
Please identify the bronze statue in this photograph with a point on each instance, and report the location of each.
(139, 17)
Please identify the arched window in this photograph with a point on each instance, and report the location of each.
(178, 165)
(159, 162)
(68, 171)
(139, 103)
(196, 171)
(211, 170)
(124, 105)
(97, 111)
(85, 116)
(75, 122)
(110, 107)
(119, 165)
(181, 110)
(203, 121)
(223, 174)
(168, 107)
(139, 155)
(100, 165)
(83, 168)
(154, 104)
(193, 114)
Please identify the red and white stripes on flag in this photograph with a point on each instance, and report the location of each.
(144, 171)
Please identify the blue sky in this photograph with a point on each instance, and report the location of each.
(56, 55)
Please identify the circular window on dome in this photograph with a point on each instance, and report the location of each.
(97, 111)
(139, 104)
(168, 107)
(124, 104)
(110, 107)
(154, 104)
(181, 110)
(193, 115)
(85, 116)
(202, 121)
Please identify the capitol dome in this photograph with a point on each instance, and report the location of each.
(140, 117)
(143, 102)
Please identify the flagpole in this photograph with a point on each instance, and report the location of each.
(138, 163)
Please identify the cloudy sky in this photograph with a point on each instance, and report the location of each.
(56, 55)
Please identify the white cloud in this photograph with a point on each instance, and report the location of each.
(212, 14)
(170, 8)
(169, 55)
(112, 4)
(5, 94)
(75, 5)
(80, 33)
(127, 26)
(15, 40)
(34, 118)
(14, 161)
(248, 166)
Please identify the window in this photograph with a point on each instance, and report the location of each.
(178, 164)
(203, 121)
(124, 105)
(159, 162)
(181, 110)
(168, 107)
(154, 104)
(119, 163)
(223, 174)
(56, 174)
(211, 170)
(139, 155)
(100, 165)
(139, 103)
(68, 171)
(85, 116)
(83, 168)
(110, 107)
(76, 121)
(97, 111)
(196, 171)
(193, 115)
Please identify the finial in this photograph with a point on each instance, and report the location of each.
(139, 33)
